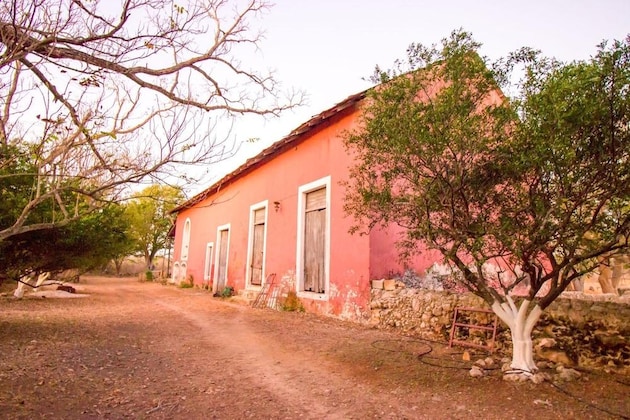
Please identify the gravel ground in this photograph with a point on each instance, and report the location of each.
(144, 350)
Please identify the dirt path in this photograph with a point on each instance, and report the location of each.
(143, 350)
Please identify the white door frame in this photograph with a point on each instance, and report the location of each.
(208, 264)
(220, 229)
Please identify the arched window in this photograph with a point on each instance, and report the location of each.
(185, 240)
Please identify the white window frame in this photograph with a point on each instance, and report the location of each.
(324, 182)
(209, 259)
(186, 240)
(217, 252)
(250, 244)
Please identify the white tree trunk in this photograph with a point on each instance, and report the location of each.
(41, 279)
(521, 324)
(19, 291)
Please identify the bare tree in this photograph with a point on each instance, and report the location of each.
(95, 96)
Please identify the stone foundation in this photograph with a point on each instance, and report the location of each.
(577, 329)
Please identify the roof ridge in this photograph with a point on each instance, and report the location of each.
(274, 149)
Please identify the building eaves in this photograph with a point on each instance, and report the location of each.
(274, 150)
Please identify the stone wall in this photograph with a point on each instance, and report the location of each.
(577, 329)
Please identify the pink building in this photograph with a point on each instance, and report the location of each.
(282, 212)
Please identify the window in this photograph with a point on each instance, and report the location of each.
(207, 271)
(313, 239)
(256, 244)
(185, 240)
(221, 266)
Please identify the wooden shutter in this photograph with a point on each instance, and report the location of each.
(315, 241)
(257, 254)
(257, 246)
(223, 252)
(316, 200)
(259, 216)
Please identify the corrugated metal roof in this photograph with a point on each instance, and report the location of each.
(279, 147)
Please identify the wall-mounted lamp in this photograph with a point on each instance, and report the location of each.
(276, 205)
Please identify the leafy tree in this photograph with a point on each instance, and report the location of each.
(150, 219)
(520, 196)
(15, 182)
(102, 94)
(118, 251)
(82, 244)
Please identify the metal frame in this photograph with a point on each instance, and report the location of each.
(452, 340)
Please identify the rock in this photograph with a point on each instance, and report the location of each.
(515, 377)
(489, 361)
(546, 343)
(556, 356)
(375, 304)
(377, 284)
(568, 375)
(66, 288)
(610, 338)
(415, 305)
(476, 372)
(505, 367)
(481, 363)
(540, 377)
(389, 284)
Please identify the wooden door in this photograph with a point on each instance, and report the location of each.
(258, 241)
(209, 263)
(315, 241)
(222, 263)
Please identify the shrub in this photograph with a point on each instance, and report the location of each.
(292, 303)
(227, 291)
(188, 283)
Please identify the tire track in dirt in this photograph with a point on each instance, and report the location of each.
(266, 365)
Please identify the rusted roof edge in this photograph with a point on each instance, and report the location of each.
(272, 151)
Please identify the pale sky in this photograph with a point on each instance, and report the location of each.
(326, 47)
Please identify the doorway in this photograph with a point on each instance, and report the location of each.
(223, 239)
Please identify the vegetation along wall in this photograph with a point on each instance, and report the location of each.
(581, 330)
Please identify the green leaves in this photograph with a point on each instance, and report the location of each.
(150, 220)
(83, 244)
(528, 181)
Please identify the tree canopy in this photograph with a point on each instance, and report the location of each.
(84, 244)
(98, 95)
(150, 220)
(518, 194)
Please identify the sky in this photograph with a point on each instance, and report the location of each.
(326, 47)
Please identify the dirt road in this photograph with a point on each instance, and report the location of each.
(144, 350)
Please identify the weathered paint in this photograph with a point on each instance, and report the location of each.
(354, 259)
(385, 259)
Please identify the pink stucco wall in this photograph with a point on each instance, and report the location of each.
(354, 259)
(278, 180)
